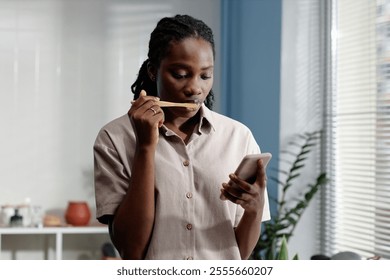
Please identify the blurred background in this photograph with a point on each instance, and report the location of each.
(283, 67)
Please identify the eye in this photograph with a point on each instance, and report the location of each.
(207, 75)
(178, 76)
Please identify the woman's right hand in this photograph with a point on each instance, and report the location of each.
(147, 118)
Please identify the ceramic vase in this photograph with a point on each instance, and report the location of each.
(77, 213)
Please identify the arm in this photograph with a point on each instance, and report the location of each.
(247, 234)
(133, 221)
(252, 198)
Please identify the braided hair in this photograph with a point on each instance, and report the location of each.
(168, 30)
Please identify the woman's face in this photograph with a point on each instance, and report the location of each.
(186, 73)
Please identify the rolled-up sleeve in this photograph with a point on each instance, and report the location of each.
(111, 177)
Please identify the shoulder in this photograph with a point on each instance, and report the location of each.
(232, 133)
(224, 123)
(115, 130)
(117, 125)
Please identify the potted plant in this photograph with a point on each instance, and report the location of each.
(272, 243)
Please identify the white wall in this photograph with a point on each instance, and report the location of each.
(301, 105)
(66, 68)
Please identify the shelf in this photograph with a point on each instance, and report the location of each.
(57, 231)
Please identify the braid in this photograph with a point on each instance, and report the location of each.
(168, 30)
(143, 82)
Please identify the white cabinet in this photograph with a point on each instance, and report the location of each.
(58, 232)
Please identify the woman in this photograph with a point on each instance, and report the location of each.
(159, 171)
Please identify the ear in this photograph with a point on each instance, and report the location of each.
(152, 71)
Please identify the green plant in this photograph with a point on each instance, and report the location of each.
(272, 243)
(283, 251)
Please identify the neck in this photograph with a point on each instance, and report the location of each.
(182, 126)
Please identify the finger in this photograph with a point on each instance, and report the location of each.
(222, 196)
(157, 115)
(142, 93)
(261, 176)
(162, 119)
(241, 184)
(228, 196)
(142, 104)
(232, 189)
(237, 193)
(152, 110)
(142, 99)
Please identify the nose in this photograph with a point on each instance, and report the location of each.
(193, 87)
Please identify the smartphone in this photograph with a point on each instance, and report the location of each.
(247, 169)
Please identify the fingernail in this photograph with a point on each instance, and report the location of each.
(143, 93)
(222, 196)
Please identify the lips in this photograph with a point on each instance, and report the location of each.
(196, 101)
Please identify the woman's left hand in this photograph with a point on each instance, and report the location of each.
(250, 196)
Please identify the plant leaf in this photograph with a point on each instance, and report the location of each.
(293, 177)
(286, 187)
(273, 240)
(296, 167)
(276, 180)
(283, 253)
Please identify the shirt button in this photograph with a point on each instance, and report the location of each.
(189, 195)
(189, 226)
(186, 163)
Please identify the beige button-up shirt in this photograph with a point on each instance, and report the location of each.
(191, 221)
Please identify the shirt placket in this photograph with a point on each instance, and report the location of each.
(189, 195)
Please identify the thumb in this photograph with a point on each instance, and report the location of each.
(260, 177)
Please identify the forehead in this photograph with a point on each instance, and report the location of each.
(190, 51)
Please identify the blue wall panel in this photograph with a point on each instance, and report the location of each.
(251, 44)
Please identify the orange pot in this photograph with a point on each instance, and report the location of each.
(77, 213)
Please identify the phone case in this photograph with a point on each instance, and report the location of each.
(246, 170)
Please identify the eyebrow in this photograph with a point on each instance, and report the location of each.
(182, 65)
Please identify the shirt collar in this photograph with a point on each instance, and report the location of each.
(205, 123)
